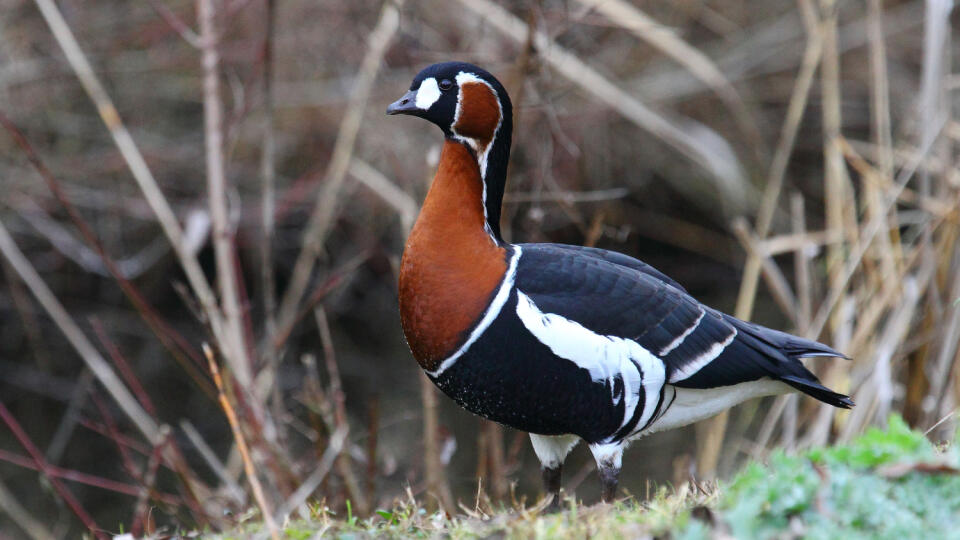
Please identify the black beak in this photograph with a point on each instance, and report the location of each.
(405, 105)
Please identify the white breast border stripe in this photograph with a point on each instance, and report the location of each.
(695, 365)
(676, 342)
(492, 311)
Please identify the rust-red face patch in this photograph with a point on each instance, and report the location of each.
(479, 112)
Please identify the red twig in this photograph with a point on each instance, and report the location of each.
(172, 341)
(111, 424)
(84, 478)
(44, 468)
(141, 510)
(176, 23)
(123, 367)
(334, 280)
(175, 462)
(129, 442)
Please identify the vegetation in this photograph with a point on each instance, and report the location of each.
(182, 173)
(890, 483)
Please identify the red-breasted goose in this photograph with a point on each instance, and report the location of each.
(564, 342)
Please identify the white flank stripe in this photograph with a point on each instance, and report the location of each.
(604, 357)
(492, 311)
(427, 94)
(696, 364)
(676, 343)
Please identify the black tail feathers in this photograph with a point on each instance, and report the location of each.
(786, 350)
(798, 347)
(815, 389)
(805, 381)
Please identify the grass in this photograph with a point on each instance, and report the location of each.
(889, 483)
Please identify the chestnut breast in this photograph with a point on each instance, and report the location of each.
(451, 267)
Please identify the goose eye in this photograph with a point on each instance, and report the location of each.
(446, 84)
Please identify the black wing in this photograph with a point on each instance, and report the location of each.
(615, 295)
(612, 257)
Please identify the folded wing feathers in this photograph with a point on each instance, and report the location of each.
(615, 295)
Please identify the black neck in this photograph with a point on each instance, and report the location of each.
(495, 177)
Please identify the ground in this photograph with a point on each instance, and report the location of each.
(889, 483)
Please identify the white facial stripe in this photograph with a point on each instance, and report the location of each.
(697, 364)
(492, 311)
(604, 357)
(463, 78)
(427, 94)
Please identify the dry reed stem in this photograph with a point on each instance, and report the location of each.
(782, 293)
(874, 398)
(390, 192)
(134, 159)
(85, 257)
(436, 477)
(344, 462)
(934, 105)
(144, 422)
(268, 285)
(217, 466)
(172, 341)
(242, 446)
(21, 516)
(718, 159)
(233, 346)
(321, 216)
(801, 264)
(699, 64)
(880, 115)
(947, 354)
(835, 178)
(792, 242)
(334, 448)
(876, 223)
(781, 157)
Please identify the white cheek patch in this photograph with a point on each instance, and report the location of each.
(428, 94)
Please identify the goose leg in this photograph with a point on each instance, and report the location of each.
(551, 451)
(609, 459)
(552, 481)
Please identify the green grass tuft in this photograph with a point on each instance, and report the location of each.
(891, 483)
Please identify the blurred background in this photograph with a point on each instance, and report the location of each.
(176, 174)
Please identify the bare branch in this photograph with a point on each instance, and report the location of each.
(134, 159)
(696, 142)
(317, 227)
(233, 346)
(77, 339)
